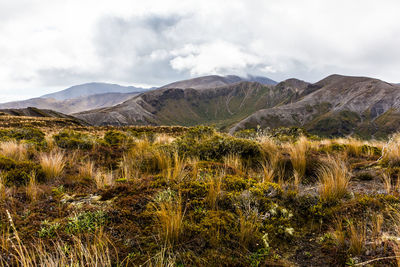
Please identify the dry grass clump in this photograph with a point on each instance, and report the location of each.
(334, 179)
(171, 167)
(103, 179)
(298, 156)
(235, 162)
(14, 150)
(138, 160)
(269, 146)
(214, 191)
(163, 139)
(81, 251)
(86, 170)
(357, 237)
(52, 163)
(170, 216)
(391, 151)
(2, 188)
(390, 186)
(32, 189)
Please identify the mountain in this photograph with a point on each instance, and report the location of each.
(74, 105)
(222, 106)
(337, 106)
(7, 117)
(212, 81)
(88, 89)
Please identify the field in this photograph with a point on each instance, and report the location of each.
(175, 196)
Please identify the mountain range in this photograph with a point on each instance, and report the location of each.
(335, 106)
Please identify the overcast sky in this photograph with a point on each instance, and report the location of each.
(49, 45)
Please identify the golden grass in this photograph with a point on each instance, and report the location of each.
(298, 156)
(81, 251)
(52, 163)
(214, 191)
(14, 150)
(248, 226)
(269, 147)
(334, 179)
(235, 162)
(32, 189)
(170, 218)
(357, 237)
(137, 160)
(86, 170)
(103, 179)
(163, 139)
(2, 188)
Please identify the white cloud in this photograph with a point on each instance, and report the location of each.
(51, 44)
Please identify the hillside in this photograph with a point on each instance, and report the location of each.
(221, 106)
(212, 81)
(35, 117)
(69, 106)
(91, 89)
(340, 105)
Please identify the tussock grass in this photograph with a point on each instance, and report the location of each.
(2, 188)
(32, 189)
(138, 160)
(298, 156)
(163, 139)
(52, 163)
(334, 179)
(357, 237)
(214, 191)
(86, 170)
(103, 179)
(235, 162)
(170, 216)
(14, 150)
(81, 251)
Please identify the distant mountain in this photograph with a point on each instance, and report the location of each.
(41, 113)
(222, 106)
(213, 81)
(337, 106)
(74, 105)
(92, 89)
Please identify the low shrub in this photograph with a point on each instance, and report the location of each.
(115, 138)
(19, 173)
(86, 222)
(29, 134)
(73, 140)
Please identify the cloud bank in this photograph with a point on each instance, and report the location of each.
(48, 45)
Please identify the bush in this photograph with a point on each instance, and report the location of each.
(217, 146)
(32, 135)
(18, 173)
(73, 140)
(86, 222)
(114, 138)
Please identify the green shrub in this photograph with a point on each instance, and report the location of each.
(18, 173)
(31, 135)
(73, 140)
(114, 138)
(86, 222)
(217, 146)
(48, 229)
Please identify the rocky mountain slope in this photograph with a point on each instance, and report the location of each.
(69, 106)
(213, 81)
(88, 89)
(337, 106)
(35, 116)
(222, 106)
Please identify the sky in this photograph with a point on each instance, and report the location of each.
(49, 45)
